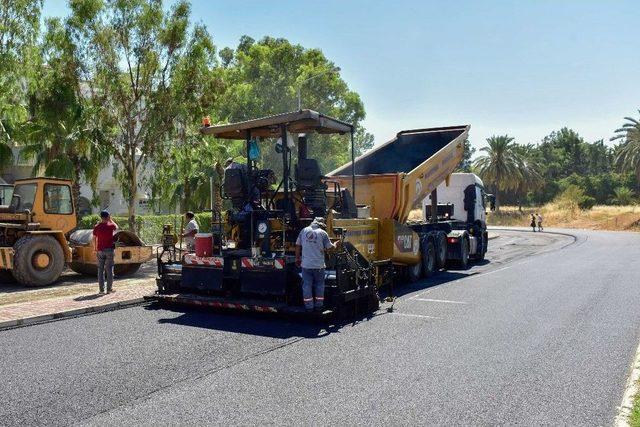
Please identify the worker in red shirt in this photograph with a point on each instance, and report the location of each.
(104, 246)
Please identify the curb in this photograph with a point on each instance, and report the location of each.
(27, 321)
(495, 236)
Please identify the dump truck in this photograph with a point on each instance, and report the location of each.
(366, 203)
(38, 236)
(395, 178)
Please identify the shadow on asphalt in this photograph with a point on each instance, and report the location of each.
(262, 324)
(440, 278)
(88, 297)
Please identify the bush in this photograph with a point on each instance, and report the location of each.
(574, 198)
(623, 196)
(149, 227)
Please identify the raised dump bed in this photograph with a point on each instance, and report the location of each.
(395, 176)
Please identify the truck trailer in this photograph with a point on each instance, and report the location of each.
(250, 264)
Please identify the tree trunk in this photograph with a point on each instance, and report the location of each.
(217, 197)
(186, 194)
(133, 193)
(75, 189)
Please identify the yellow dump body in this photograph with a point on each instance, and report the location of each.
(396, 176)
(392, 179)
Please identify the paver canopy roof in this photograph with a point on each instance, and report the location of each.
(303, 121)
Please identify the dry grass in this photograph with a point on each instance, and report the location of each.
(597, 218)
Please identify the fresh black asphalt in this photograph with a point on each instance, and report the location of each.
(530, 339)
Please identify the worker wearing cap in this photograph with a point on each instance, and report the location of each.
(104, 245)
(310, 247)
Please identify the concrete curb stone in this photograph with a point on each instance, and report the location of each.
(69, 313)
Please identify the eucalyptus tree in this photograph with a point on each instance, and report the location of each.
(130, 51)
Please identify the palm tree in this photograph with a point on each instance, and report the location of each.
(623, 196)
(628, 158)
(501, 166)
(63, 142)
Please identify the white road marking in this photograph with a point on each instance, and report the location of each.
(631, 389)
(420, 294)
(440, 300)
(421, 316)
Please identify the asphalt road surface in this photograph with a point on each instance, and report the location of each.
(545, 332)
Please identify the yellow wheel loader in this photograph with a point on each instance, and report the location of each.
(38, 236)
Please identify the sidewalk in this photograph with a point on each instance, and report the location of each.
(85, 300)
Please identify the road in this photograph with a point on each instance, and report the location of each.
(543, 333)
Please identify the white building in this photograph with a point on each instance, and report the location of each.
(107, 195)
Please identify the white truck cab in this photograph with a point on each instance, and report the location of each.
(466, 193)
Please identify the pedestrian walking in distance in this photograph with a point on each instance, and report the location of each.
(190, 231)
(533, 222)
(539, 218)
(104, 245)
(311, 245)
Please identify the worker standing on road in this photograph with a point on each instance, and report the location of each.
(533, 222)
(310, 247)
(104, 245)
(539, 218)
(190, 231)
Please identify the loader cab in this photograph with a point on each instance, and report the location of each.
(49, 201)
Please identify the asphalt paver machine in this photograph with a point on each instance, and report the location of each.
(252, 258)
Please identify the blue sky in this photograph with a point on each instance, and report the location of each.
(521, 67)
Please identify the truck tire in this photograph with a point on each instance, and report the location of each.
(441, 251)
(414, 272)
(37, 260)
(428, 258)
(482, 242)
(464, 254)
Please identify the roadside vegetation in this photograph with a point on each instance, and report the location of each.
(127, 83)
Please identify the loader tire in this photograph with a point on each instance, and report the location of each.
(441, 251)
(37, 260)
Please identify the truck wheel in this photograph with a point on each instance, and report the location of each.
(414, 272)
(37, 260)
(441, 251)
(481, 251)
(428, 259)
(464, 254)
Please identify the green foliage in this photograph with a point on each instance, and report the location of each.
(628, 154)
(466, 163)
(19, 29)
(134, 55)
(149, 227)
(262, 78)
(623, 196)
(573, 198)
(507, 166)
